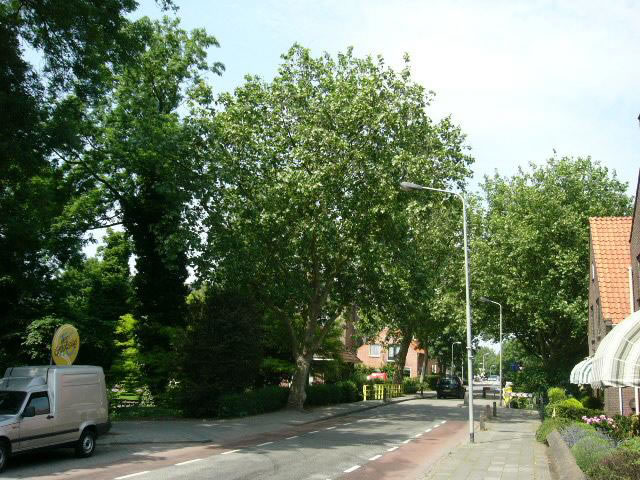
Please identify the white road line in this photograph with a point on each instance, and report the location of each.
(374, 458)
(392, 449)
(263, 444)
(330, 428)
(230, 451)
(418, 435)
(427, 430)
(443, 421)
(436, 426)
(188, 462)
(348, 423)
(407, 440)
(131, 475)
(363, 420)
(289, 438)
(352, 469)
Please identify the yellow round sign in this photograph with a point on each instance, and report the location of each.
(65, 346)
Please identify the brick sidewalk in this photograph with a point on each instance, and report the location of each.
(508, 450)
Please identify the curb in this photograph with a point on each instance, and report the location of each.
(319, 419)
(563, 462)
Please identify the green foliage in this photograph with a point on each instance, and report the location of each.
(556, 394)
(570, 408)
(413, 385)
(626, 426)
(632, 443)
(590, 450)
(309, 201)
(591, 402)
(537, 233)
(221, 353)
(431, 381)
(549, 425)
(621, 464)
(251, 402)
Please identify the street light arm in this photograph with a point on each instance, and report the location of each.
(408, 186)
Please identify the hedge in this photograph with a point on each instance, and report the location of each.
(326, 394)
(570, 408)
(253, 402)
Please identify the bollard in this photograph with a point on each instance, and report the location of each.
(495, 409)
(466, 397)
(487, 411)
(482, 420)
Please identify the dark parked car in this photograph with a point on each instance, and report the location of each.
(450, 387)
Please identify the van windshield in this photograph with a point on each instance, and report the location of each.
(10, 402)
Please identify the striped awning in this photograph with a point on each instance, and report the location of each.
(581, 373)
(616, 362)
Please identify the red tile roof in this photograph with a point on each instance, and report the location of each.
(610, 243)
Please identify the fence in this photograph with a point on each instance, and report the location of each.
(380, 391)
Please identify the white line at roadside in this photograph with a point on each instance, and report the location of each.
(427, 430)
(436, 426)
(375, 457)
(418, 435)
(188, 462)
(289, 438)
(330, 428)
(352, 469)
(315, 431)
(392, 449)
(407, 440)
(443, 421)
(263, 444)
(229, 451)
(131, 475)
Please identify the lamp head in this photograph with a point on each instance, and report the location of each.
(408, 186)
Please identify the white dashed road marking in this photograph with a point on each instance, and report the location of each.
(374, 458)
(436, 426)
(407, 440)
(315, 431)
(443, 421)
(230, 451)
(289, 438)
(188, 462)
(417, 435)
(263, 444)
(352, 469)
(427, 430)
(392, 449)
(131, 475)
(330, 428)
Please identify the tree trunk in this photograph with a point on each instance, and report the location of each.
(424, 365)
(297, 394)
(401, 359)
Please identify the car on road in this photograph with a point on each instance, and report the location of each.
(450, 386)
(377, 376)
(52, 406)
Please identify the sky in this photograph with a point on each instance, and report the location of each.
(521, 78)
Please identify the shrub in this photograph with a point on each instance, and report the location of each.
(631, 444)
(569, 408)
(431, 381)
(265, 400)
(349, 391)
(324, 394)
(549, 425)
(626, 427)
(591, 402)
(556, 394)
(575, 432)
(590, 450)
(411, 385)
(623, 464)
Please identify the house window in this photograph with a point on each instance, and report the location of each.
(407, 372)
(374, 350)
(434, 368)
(393, 351)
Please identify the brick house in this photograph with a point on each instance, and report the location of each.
(609, 290)
(382, 351)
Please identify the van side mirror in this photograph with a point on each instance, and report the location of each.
(29, 412)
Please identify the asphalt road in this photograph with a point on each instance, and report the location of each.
(394, 441)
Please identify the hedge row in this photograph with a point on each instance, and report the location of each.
(270, 399)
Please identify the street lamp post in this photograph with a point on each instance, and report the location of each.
(485, 299)
(454, 343)
(408, 186)
(483, 369)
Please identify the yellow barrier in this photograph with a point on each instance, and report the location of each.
(379, 391)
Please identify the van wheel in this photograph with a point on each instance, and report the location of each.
(4, 454)
(86, 444)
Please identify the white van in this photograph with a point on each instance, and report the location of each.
(49, 406)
